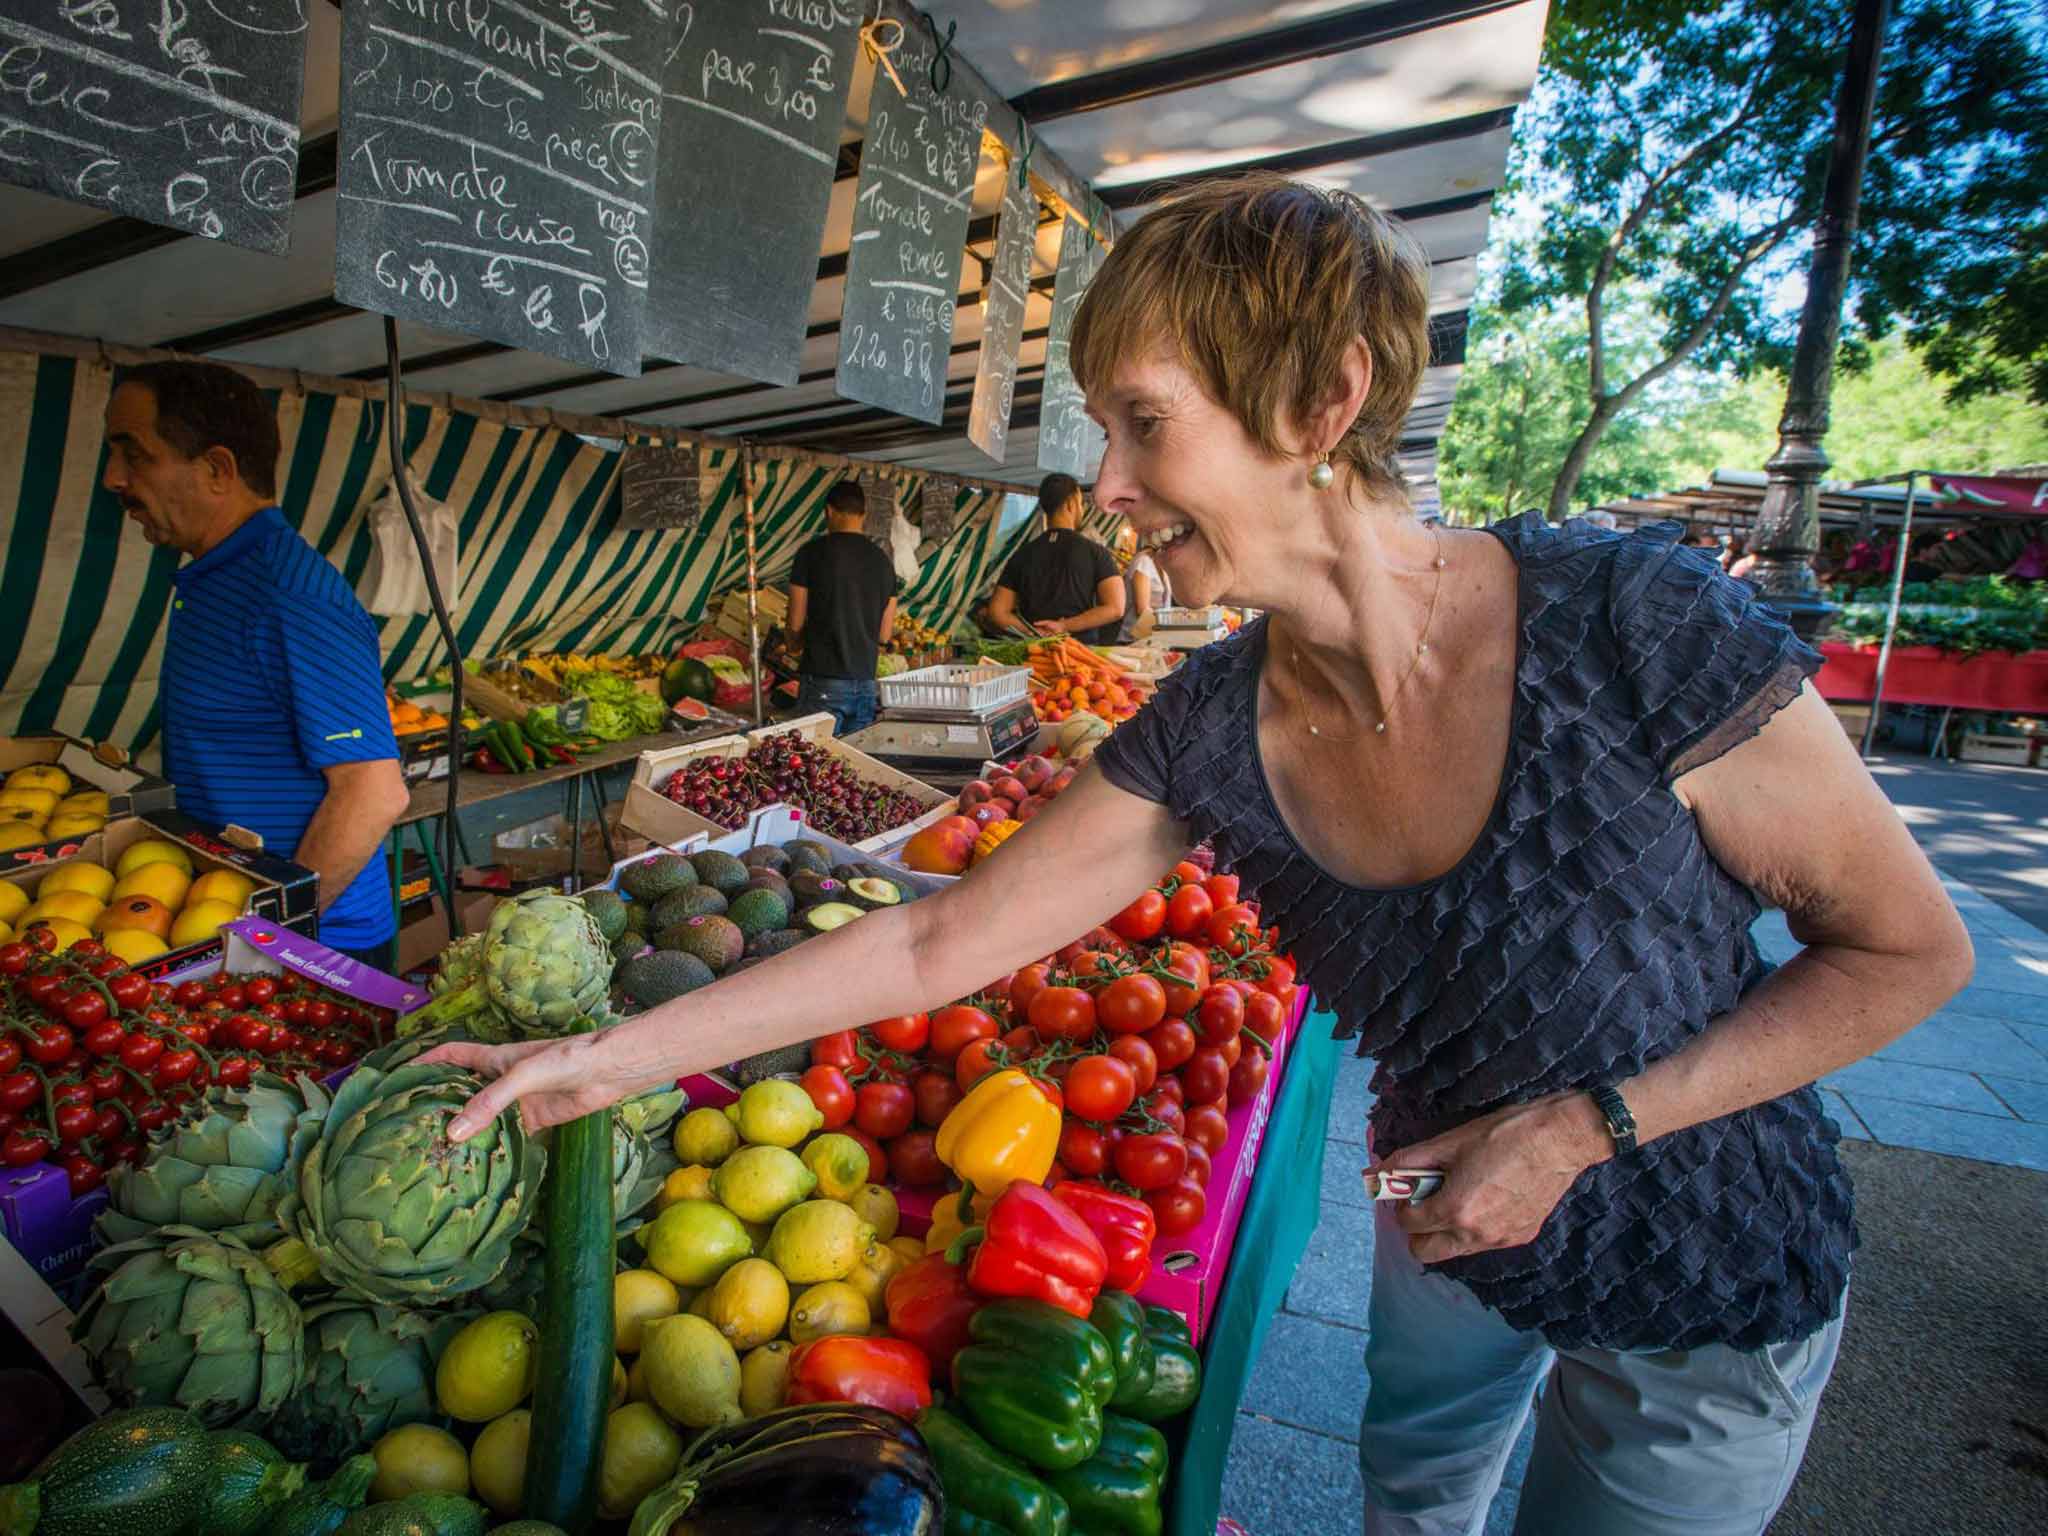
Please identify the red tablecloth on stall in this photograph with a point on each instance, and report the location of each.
(1923, 674)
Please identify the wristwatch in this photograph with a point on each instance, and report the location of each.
(1621, 1125)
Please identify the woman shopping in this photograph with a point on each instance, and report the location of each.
(1513, 798)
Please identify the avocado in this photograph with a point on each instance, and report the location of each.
(758, 911)
(805, 854)
(766, 946)
(721, 871)
(869, 894)
(809, 887)
(844, 873)
(766, 856)
(828, 915)
(662, 974)
(768, 880)
(636, 917)
(717, 941)
(627, 944)
(690, 901)
(654, 877)
(607, 911)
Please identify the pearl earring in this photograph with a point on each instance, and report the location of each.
(1320, 476)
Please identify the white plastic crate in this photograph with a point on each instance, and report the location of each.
(1210, 617)
(975, 689)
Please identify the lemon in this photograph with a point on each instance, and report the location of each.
(877, 1207)
(79, 875)
(637, 1295)
(497, 1462)
(488, 1368)
(840, 1162)
(636, 1383)
(63, 930)
(833, 1307)
(418, 1458)
(693, 1374)
(641, 1452)
(13, 901)
(879, 1264)
(42, 801)
(818, 1240)
(705, 1136)
(152, 850)
(222, 885)
(18, 834)
(777, 1114)
(700, 1304)
(134, 945)
(201, 921)
(912, 1248)
(750, 1303)
(764, 1378)
(691, 1183)
(76, 905)
(85, 802)
(620, 1385)
(693, 1242)
(66, 825)
(159, 882)
(47, 778)
(760, 1183)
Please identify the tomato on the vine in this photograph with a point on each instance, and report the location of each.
(914, 1159)
(1222, 889)
(1131, 1005)
(129, 990)
(1200, 1163)
(1101, 1087)
(935, 1093)
(1206, 1077)
(1234, 929)
(1219, 1016)
(957, 1027)
(22, 1146)
(19, 1090)
(1187, 872)
(883, 1109)
(973, 1064)
(1063, 1013)
(1022, 1041)
(105, 1081)
(1189, 969)
(252, 1032)
(1264, 1016)
(82, 1010)
(104, 1038)
(1279, 977)
(1084, 1149)
(1026, 984)
(907, 1032)
(831, 1093)
(175, 1067)
(48, 1044)
(190, 994)
(73, 1123)
(1166, 1109)
(1178, 1206)
(1172, 1042)
(1151, 1161)
(837, 1049)
(1188, 913)
(1208, 1127)
(10, 1053)
(1143, 919)
(259, 990)
(1142, 1058)
(1232, 1049)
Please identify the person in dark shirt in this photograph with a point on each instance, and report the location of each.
(272, 692)
(1063, 582)
(842, 605)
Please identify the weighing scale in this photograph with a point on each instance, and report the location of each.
(946, 747)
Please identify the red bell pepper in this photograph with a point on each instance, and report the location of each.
(1124, 1226)
(930, 1305)
(1033, 1246)
(852, 1368)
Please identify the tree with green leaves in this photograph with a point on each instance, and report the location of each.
(1680, 153)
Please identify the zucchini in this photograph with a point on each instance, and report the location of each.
(418, 1514)
(246, 1480)
(144, 1470)
(318, 1509)
(573, 1383)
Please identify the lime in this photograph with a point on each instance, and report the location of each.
(750, 1303)
(497, 1462)
(706, 1136)
(760, 1183)
(641, 1451)
(818, 1240)
(777, 1114)
(693, 1242)
(487, 1369)
(841, 1164)
(833, 1307)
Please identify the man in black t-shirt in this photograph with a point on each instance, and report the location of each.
(842, 605)
(1062, 582)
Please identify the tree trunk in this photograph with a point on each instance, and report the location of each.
(1575, 460)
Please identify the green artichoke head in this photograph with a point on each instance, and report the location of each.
(194, 1320)
(390, 1209)
(546, 961)
(369, 1369)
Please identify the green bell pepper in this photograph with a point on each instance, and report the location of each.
(1035, 1381)
(1120, 1318)
(1176, 1369)
(987, 1492)
(1117, 1491)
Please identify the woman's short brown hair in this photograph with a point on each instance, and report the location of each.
(1262, 283)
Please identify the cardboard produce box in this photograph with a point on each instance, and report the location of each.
(129, 791)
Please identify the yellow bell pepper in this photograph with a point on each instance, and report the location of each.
(1003, 1131)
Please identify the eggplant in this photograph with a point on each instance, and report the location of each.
(819, 1469)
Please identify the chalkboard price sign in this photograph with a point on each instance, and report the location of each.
(1002, 326)
(754, 99)
(1067, 440)
(660, 486)
(498, 169)
(910, 216)
(184, 114)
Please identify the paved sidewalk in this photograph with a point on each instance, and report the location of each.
(1971, 1082)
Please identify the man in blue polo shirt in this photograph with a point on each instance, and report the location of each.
(272, 696)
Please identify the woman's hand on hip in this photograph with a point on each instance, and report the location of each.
(552, 1081)
(1504, 1173)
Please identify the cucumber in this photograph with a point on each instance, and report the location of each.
(246, 1480)
(573, 1382)
(142, 1471)
(418, 1514)
(318, 1509)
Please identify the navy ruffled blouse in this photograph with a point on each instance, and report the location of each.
(1587, 933)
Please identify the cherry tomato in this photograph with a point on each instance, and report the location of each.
(318, 1014)
(129, 990)
(935, 1093)
(154, 1115)
(906, 1033)
(1187, 872)
(831, 1092)
(1142, 1058)
(838, 1049)
(104, 1038)
(83, 1174)
(1151, 1161)
(1131, 1005)
(251, 1032)
(972, 1064)
(10, 1053)
(14, 957)
(1083, 1149)
(190, 994)
(1234, 929)
(1188, 913)
(1178, 1205)
(1264, 1016)
(878, 1159)
(1206, 1077)
(914, 1159)
(1167, 1111)
(127, 1150)
(1248, 1077)
(82, 1010)
(235, 1071)
(1143, 919)
(22, 1146)
(883, 1110)
(1190, 969)
(19, 1090)
(73, 1123)
(108, 1122)
(1220, 1015)
(1222, 889)
(232, 995)
(198, 1031)
(175, 1067)
(1232, 1049)
(1208, 1127)
(259, 990)
(1200, 1164)
(43, 987)
(957, 1027)
(1101, 1087)
(1063, 1013)
(295, 1010)
(48, 1044)
(1025, 985)
(1279, 977)
(105, 1082)
(1172, 1043)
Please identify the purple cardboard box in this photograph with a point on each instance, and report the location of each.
(46, 1226)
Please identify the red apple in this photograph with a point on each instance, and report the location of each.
(1029, 809)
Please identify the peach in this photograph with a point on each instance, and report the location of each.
(1012, 790)
(975, 794)
(943, 848)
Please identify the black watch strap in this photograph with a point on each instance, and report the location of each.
(1621, 1125)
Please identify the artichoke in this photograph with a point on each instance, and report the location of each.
(389, 1209)
(194, 1320)
(643, 1153)
(223, 1172)
(368, 1369)
(542, 963)
(521, 1286)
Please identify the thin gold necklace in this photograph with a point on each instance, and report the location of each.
(1421, 650)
